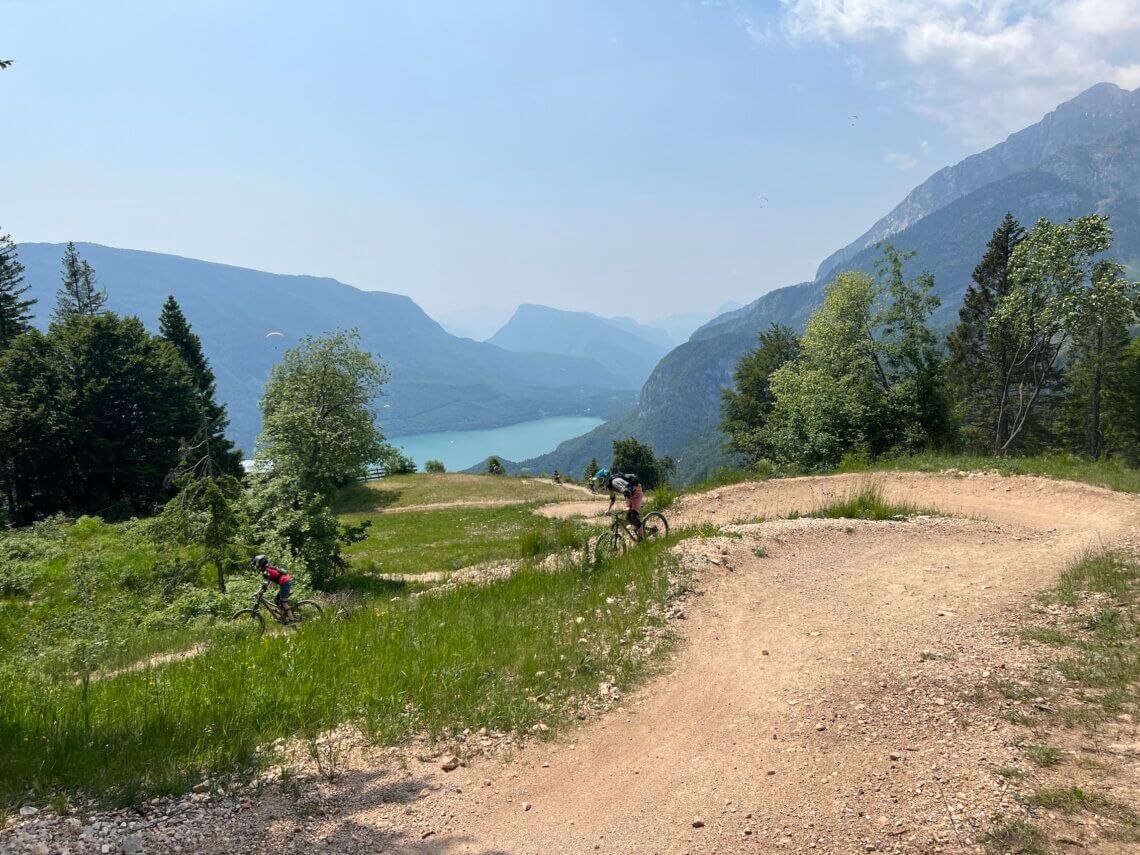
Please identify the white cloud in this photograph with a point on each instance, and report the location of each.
(902, 162)
(984, 67)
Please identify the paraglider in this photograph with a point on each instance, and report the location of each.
(852, 119)
(273, 333)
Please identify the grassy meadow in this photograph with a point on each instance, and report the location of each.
(84, 604)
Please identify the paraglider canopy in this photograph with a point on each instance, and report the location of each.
(273, 333)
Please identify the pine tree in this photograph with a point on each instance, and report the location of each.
(981, 349)
(78, 295)
(217, 455)
(14, 315)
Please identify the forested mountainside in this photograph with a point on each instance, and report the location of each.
(438, 381)
(1082, 158)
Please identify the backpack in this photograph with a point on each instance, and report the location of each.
(633, 480)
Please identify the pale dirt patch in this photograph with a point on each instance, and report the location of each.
(799, 714)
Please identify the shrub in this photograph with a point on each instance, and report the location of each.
(435, 466)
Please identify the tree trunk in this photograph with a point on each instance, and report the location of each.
(221, 575)
(1096, 397)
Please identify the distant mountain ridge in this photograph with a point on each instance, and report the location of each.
(438, 382)
(627, 347)
(1081, 158)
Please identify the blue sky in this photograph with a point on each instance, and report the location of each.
(606, 156)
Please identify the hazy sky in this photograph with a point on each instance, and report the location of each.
(608, 155)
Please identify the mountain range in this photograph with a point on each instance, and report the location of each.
(1083, 157)
(438, 381)
(625, 346)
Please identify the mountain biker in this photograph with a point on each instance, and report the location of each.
(629, 486)
(284, 582)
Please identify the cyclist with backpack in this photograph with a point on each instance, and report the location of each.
(629, 485)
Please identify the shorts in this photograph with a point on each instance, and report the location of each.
(636, 498)
(286, 590)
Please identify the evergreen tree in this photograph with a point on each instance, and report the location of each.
(746, 405)
(78, 295)
(14, 315)
(982, 349)
(126, 406)
(32, 468)
(637, 458)
(591, 469)
(218, 455)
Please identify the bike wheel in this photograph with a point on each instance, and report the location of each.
(306, 610)
(609, 545)
(249, 619)
(655, 525)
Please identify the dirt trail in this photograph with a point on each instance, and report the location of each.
(800, 713)
(799, 678)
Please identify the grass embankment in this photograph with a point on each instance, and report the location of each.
(87, 596)
(867, 502)
(1102, 473)
(402, 491)
(453, 538)
(472, 657)
(1076, 706)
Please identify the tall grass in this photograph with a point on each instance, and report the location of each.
(868, 502)
(473, 657)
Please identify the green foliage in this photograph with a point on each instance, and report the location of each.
(435, 467)
(868, 377)
(745, 407)
(982, 349)
(395, 462)
(14, 315)
(78, 295)
(134, 735)
(318, 426)
(295, 526)
(92, 415)
(204, 514)
(1057, 290)
(217, 450)
(637, 458)
(1122, 404)
(591, 469)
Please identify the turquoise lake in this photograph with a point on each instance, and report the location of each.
(461, 449)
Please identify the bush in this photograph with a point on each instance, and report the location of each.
(435, 466)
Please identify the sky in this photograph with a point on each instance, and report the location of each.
(636, 157)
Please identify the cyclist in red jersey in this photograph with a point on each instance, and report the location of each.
(282, 579)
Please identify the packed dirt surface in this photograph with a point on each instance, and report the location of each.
(819, 700)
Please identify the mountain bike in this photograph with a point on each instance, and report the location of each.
(303, 610)
(622, 534)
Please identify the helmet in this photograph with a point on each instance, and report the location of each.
(601, 475)
(259, 561)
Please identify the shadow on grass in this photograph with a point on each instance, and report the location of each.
(360, 499)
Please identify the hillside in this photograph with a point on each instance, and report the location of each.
(439, 381)
(1083, 157)
(625, 346)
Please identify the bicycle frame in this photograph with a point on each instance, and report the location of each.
(260, 600)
